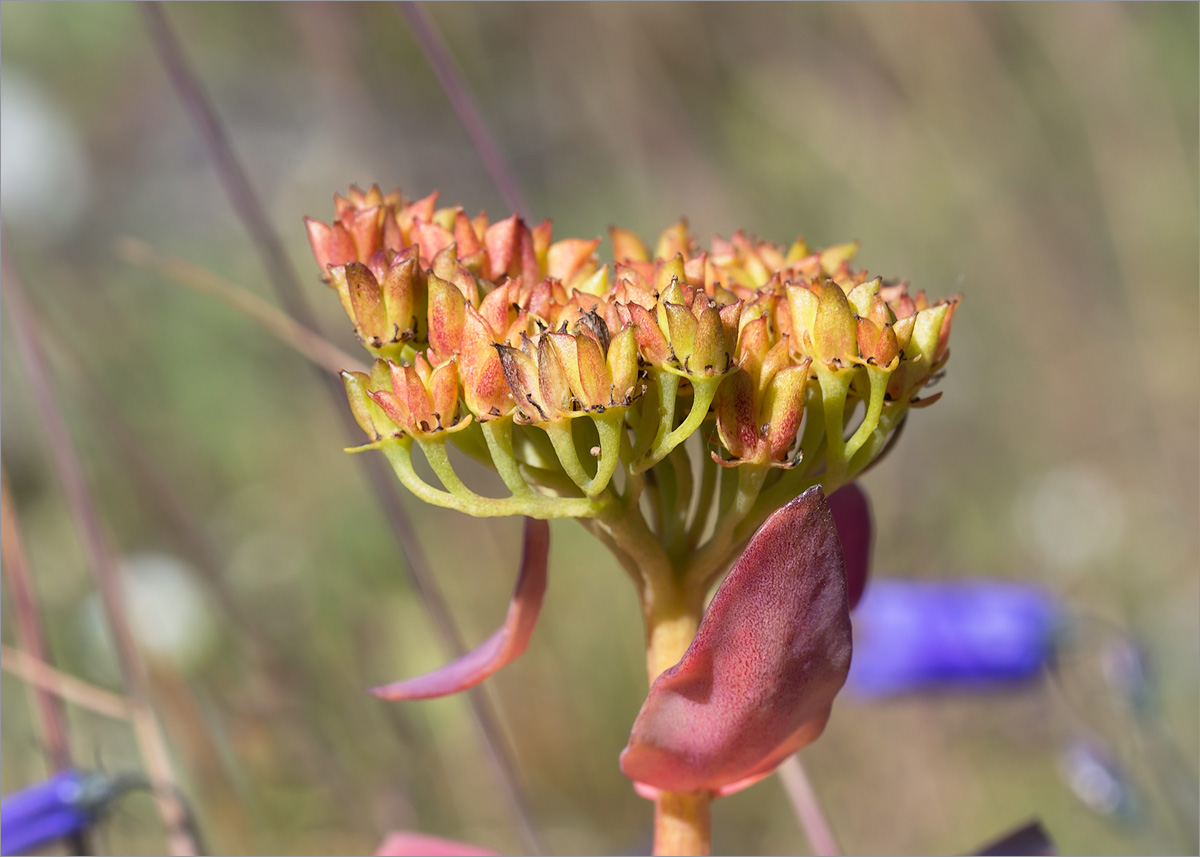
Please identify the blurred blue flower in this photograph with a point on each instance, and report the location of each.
(52, 809)
(912, 636)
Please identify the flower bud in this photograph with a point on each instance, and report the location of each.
(447, 315)
(623, 366)
(834, 334)
(484, 388)
(628, 247)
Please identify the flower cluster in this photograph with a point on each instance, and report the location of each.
(683, 403)
(482, 327)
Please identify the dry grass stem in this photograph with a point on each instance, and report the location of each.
(48, 680)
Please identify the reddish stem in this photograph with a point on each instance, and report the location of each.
(29, 628)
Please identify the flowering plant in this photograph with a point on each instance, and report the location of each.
(687, 406)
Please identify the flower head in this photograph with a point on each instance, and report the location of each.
(593, 389)
(786, 353)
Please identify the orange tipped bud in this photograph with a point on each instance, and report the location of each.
(861, 296)
(553, 383)
(876, 344)
(681, 330)
(711, 353)
(783, 408)
(501, 240)
(370, 418)
(832, 258)
(595, 387)
(366, 298)
(623, 366)
(651, 340)
(802, 305)
(673, 241)
(331, 245)
(465, 236)
(447, 314)
(484, 387)
(628, 247)
(401, 284)
(670, 276)
(568, 258)
(737, 416)
(418, 400)
(834, 334)
(521, 376)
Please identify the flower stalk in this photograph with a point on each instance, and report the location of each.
(682, 820)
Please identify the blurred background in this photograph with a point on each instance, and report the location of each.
(1039, 159)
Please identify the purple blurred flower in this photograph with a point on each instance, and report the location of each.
(964, 635)
(49, 810)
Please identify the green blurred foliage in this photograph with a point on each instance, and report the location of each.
(1039, 159)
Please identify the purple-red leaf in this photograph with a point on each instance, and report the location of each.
(504, 646)
(404, 844)
(758, 681)
(852, 514)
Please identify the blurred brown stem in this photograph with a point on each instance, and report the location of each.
(50, 712)
(29, 627)
(61, 686)
(279, 324)
(151, 741)
(459, 96)
(287, 285)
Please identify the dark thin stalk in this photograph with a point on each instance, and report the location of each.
(287, 286)
(451, 79)
(151, 741)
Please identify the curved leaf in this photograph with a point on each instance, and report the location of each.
(758, 680)
(502, 647)
(852, 514)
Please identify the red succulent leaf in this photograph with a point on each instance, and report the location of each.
(852, 514)
(401, 843)
(502, 647)
(758, 681)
